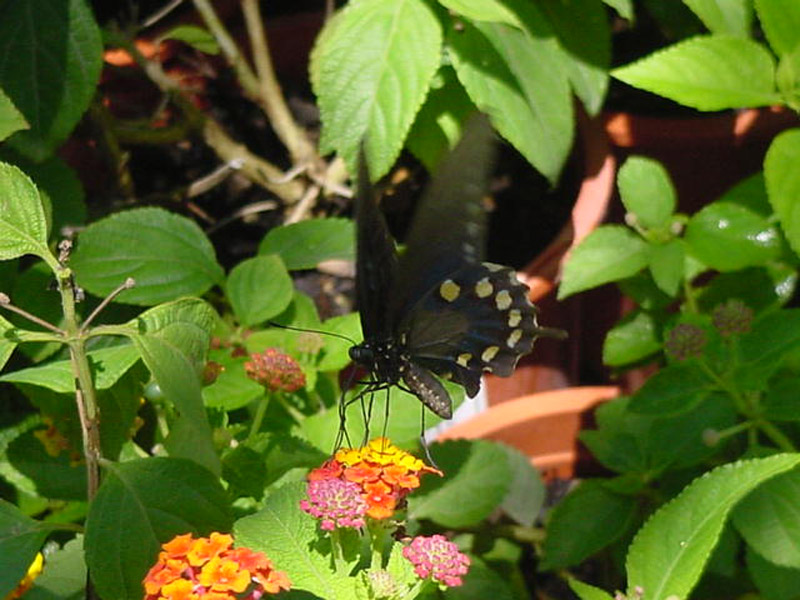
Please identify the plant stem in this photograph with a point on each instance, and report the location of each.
(270, 96)
(125, 285)
(5, 302)
(776, 435)
(337, 554)
(259, 416)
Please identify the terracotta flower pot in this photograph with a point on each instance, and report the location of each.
(706, 154)
(544, 426)
(554, 363)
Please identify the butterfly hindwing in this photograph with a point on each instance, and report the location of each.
(477, 319)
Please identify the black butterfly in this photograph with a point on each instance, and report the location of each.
(438, 308)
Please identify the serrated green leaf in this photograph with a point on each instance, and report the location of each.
(11, 120)
(768, 521)
(783, 183)
(492, 11)
(285, 533)
(526, 496)
(20, 539)
(667, 556)
(770, 339)
(571, 537)
(667, 264)
(787, 77)
(477, 478)
(674, 389)
(50, 61)
(23, 227)
(140, 505)
(197, 37)
(607, 254)
(646, 190)
(773, 582)
(634, 338)
(107, 364)
(538, 123)
(232, 389)
(586, 591)
(780, 20)
(172, 340)
(373, 71)
(259, 288)
(587, 44)
(7, 344)
(305, 244)
(168, 255)
(734, 17)
(65, 575)
(712, 72)
(440, 121)
(729, 237)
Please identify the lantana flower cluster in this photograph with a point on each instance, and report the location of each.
(210, 568)
(275, 370)
(383, 475)
(438, 558)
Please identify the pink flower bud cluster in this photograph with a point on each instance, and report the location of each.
(275, 370)
(336, 503)
(438, 558)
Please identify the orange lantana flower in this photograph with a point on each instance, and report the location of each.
(209, 568)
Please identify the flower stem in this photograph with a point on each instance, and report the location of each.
(776, 436)
(337, 554)
(261, 410)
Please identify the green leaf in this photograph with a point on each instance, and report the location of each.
(305, 244)
(50, 60)
(7, 343)
(11, 120)
(334, 354)
(609, 253)
(20, 539)
(232, 389)
(172, 340)
(168, 256)
(768, 521)
(107, 364)
(56, 477)
(586, 591)
(492, 11)
(667, 264)
(259, 288)
(525, 498)
(285, 534)
(197, 37)
(773, 582)
(140, 505)
(781, 402)
(23, 227)
(712, 72)
(734, 17)
(477, 478)
(646, 190)
(667, 556)
(374, 67)
(634, 338)
(672, 390)
(439, 123)
(481, 582)
(769, 341)
(729, 237)
(624, 8)
(571, 537)
(780, 20)
(783, 183)
(64, 577)
(587, 44)
(527, 96)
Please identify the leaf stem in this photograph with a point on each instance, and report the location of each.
(129, 283)
(259, 416)
(5, 302)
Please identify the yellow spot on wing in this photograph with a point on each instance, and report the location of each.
(514, 337)
(514, 317)
(449, 290)
(463, 359)
(489, 353)
(484, 288)
(502, 299)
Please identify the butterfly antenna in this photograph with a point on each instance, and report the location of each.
(423, 442)
(319, 331)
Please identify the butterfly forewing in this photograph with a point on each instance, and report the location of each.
(376, 264)
(449, 224)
